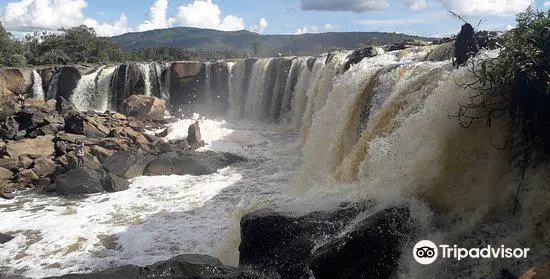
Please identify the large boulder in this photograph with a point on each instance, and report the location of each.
(84, 180)
(144, 107)
(158, 166)
(38, 147)
(126, 164)
(283, 242)
(370, 250)
(114, 183)
(79, 181)
(442, 52)
(44, 166)
(180, 267)
(194, 134)
(5, 238)
(14, 81)
(202, 163)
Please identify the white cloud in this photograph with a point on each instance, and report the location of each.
(486, 7)
(35, 15)
(105, 29)
(314, 29)
(415, 5)
(546, 4)
(205, 14)
(260, 27)
(157, 17)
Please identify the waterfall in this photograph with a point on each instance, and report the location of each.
(236, 84)
(103, 89)
(165, 86)
(85, 92)
(208, 94)
(37, 89)
(146, 74)
(52, 89)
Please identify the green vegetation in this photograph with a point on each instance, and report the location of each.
(515, 86)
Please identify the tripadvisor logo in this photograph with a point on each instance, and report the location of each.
(426, 252)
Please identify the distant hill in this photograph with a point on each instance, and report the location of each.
(241, 41)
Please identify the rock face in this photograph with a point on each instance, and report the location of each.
(185, 82)
(405, 44)
(144, 107)
(68, 78)
(370, 250)
(442, 52)
(180, 267)
(282, 242)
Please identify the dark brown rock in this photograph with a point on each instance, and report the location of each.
(144, 107)
(159, 166)
(194, 134)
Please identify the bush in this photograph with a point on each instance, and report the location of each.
(16, 60)
(516, 86)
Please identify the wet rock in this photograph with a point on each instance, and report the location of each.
(38, 147)
(202, 163)
(185, 81)
(180, 267)
(144, 107)
(465, 45)
(442, 52)
(359, 54)
(79, 181)
(164, 133)
(371, 247)
(283, 242)
(127, 80)
(5, 238)
(6, 196)
(44, 166)
(125, 164)
(194, 134)
(67, 81)
(159, 166)
(113, 183)
(406, 44)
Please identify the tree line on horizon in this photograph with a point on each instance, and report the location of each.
(81, 44)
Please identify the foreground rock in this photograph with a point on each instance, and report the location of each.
(283, 243)
(144, 107)
(181, 267)
(5, 238)
(372, 247)
(80, 181)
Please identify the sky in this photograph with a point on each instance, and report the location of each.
(114, 17)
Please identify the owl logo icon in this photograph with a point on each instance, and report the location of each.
(425, 252)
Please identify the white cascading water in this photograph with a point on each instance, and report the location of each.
(37, 89)
(146, 73)
(102, 100)
(381, 131)
(52, 89)
(85, 92)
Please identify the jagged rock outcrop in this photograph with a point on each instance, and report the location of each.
(359, 54)
(372, 247)
(283, 242)
(180, 267)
